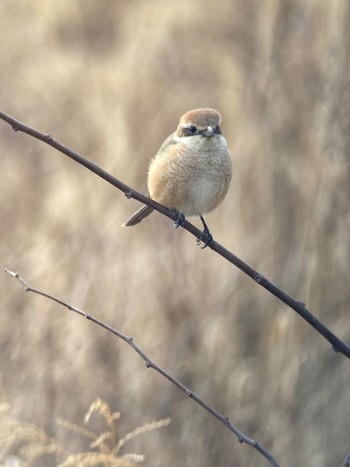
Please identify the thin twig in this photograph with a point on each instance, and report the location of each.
(242, 438)
(337, 344)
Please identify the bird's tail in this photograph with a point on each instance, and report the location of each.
(138, 216)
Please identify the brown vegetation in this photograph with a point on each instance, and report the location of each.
(110, 79)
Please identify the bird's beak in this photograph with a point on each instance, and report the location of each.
(209, 132)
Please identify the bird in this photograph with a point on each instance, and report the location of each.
(192, 171)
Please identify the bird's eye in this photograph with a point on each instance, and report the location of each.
(192, 130)
(217, 130)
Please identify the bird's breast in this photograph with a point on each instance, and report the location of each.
(191, 178)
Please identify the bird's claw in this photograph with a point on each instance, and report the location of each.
(206, 238)
(179, 221)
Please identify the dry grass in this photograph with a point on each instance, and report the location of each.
(110, 79)
(30, 445)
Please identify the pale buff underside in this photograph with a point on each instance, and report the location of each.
(192, 176)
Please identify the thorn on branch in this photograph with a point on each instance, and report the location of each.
(260, 279)
(128, 194)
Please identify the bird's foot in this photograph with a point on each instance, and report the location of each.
(180, 220)
(206, 238)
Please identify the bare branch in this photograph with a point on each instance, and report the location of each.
(337, 344)
(242, 438)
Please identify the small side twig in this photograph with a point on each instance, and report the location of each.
(242, 438)
(337, 344)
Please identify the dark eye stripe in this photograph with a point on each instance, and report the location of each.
(192, 130)
(189, 131)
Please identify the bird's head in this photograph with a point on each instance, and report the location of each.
(199, 123)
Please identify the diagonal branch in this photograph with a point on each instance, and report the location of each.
(242, 438)
(337, 344)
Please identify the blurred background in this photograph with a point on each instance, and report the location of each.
(110, 79)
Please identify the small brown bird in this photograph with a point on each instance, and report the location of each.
(192, 171)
